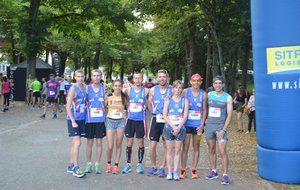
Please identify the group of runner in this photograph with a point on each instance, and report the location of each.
(179, 116)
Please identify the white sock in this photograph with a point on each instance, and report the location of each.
(224, 174)
(214, 170)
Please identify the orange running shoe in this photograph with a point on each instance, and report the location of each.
(194, 174)
(108, 168)
(182, 174)
(115, 170)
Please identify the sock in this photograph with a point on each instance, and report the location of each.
(71, 165)
(128, 154)
(214, 170)
(183, 169)
(224, 174)
(109, 162)
(141, 152)
(116, 164)
(96, 163)
(194, 170)
(89, 163)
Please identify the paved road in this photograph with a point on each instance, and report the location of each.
(35, 153)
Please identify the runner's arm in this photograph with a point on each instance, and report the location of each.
(185, 113)
(165, 113)
(229, 113)
(150, 99)
(70, 97)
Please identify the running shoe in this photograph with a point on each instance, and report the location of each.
(212, 175)
(161, 172)
(70, 169)
(140, 169)
(97, 169)
(77, 172)
(169, 176)
(88, 168)
(175, 176)
(126, 169)
(194, 174)
(152, 171)
(115, 170)
(54, 116)
(182, 174)
(225, 180)
(108, 168)
(43, 116)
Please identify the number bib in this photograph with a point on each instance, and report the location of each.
(214, 112)
(136, 107)
(96, 112)
(175, 119)
(159, 118)
(81, 108)
(116, 114)
(51, 93)
(194, 115)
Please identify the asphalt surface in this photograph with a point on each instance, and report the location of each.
(35, 154)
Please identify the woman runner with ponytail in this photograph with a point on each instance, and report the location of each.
(115, 124)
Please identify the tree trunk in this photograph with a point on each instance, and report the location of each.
(63, 59)
(213, 28)
(122, 70)
(192, 48)
(96, 59)
(246, 57)
(109, 73)
(208, 66)
(32, 42)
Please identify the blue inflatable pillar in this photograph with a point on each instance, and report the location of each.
(276, 54)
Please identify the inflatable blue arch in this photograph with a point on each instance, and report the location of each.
(276, 55)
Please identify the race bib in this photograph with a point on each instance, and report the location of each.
(96, 112)
(136, 107)
(159, 118)
(116, 114)
(51, 93)
(81, 108)
(214, 112)
(175, 119)
(194, 115)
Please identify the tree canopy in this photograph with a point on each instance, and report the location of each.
(209, 37)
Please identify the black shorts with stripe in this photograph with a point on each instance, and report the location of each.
(137, 128)
(156, 130)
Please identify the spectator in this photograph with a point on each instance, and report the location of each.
(6, 93)
(149, 84)
(241, 99)
(62, 97)
(251, 115)
(36, 87)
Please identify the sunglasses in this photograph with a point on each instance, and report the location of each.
(196, 80)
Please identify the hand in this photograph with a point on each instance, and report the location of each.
(176, 131)
(74, 124)
(220, 134)
(200, 130)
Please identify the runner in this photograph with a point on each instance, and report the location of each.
(129, 83)
(136, 123)
(36, 87)
(175, 114)
(62, 97)
(29, 80)
(115, 124)
(68, 85)
(76, 124)
(194, 126)
(157, 95)
(217, 123)
(95, 118)
(52, 87)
